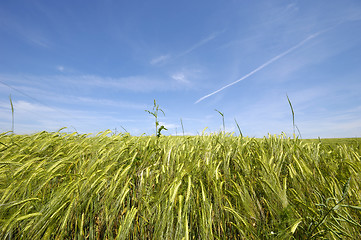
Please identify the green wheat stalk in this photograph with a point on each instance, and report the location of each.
(12, 114)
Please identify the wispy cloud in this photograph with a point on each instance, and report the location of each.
(60, 68)
(38, 39)
(169, 125)
(30, 34)
(111, 103)
(31, 117)
(167, 57)
(300, 44)
(337, 124)
(181, 78)
(160, 59)
(49, 98)
(132, 83)
(24, 106)
(136, 83)
(199, 44)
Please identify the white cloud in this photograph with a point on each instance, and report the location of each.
(200, 43)
(181, 78)
(22, 106)
(141, 83)
(38, 40)
(160, 59)
(32, 117)
(300, 44)
(31, 34)
(133, 83)
(112, 103)
(169, 125)
(60, 68)
(330, 127)
(163, 58)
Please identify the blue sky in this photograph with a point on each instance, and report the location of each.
(97, 65)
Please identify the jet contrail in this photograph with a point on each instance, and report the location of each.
(264, 65)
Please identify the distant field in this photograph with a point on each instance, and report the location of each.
(338, 141)
(215, 186)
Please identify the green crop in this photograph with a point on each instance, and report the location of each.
(216, 186)
(154, 113)
(12, 114)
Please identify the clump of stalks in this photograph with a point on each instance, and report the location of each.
(154, 113)
(211, 186)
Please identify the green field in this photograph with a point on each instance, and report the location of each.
(215, 186)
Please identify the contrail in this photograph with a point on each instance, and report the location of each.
(264, 65)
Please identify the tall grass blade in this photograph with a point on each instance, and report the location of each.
(293, 114)
(12, 114)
